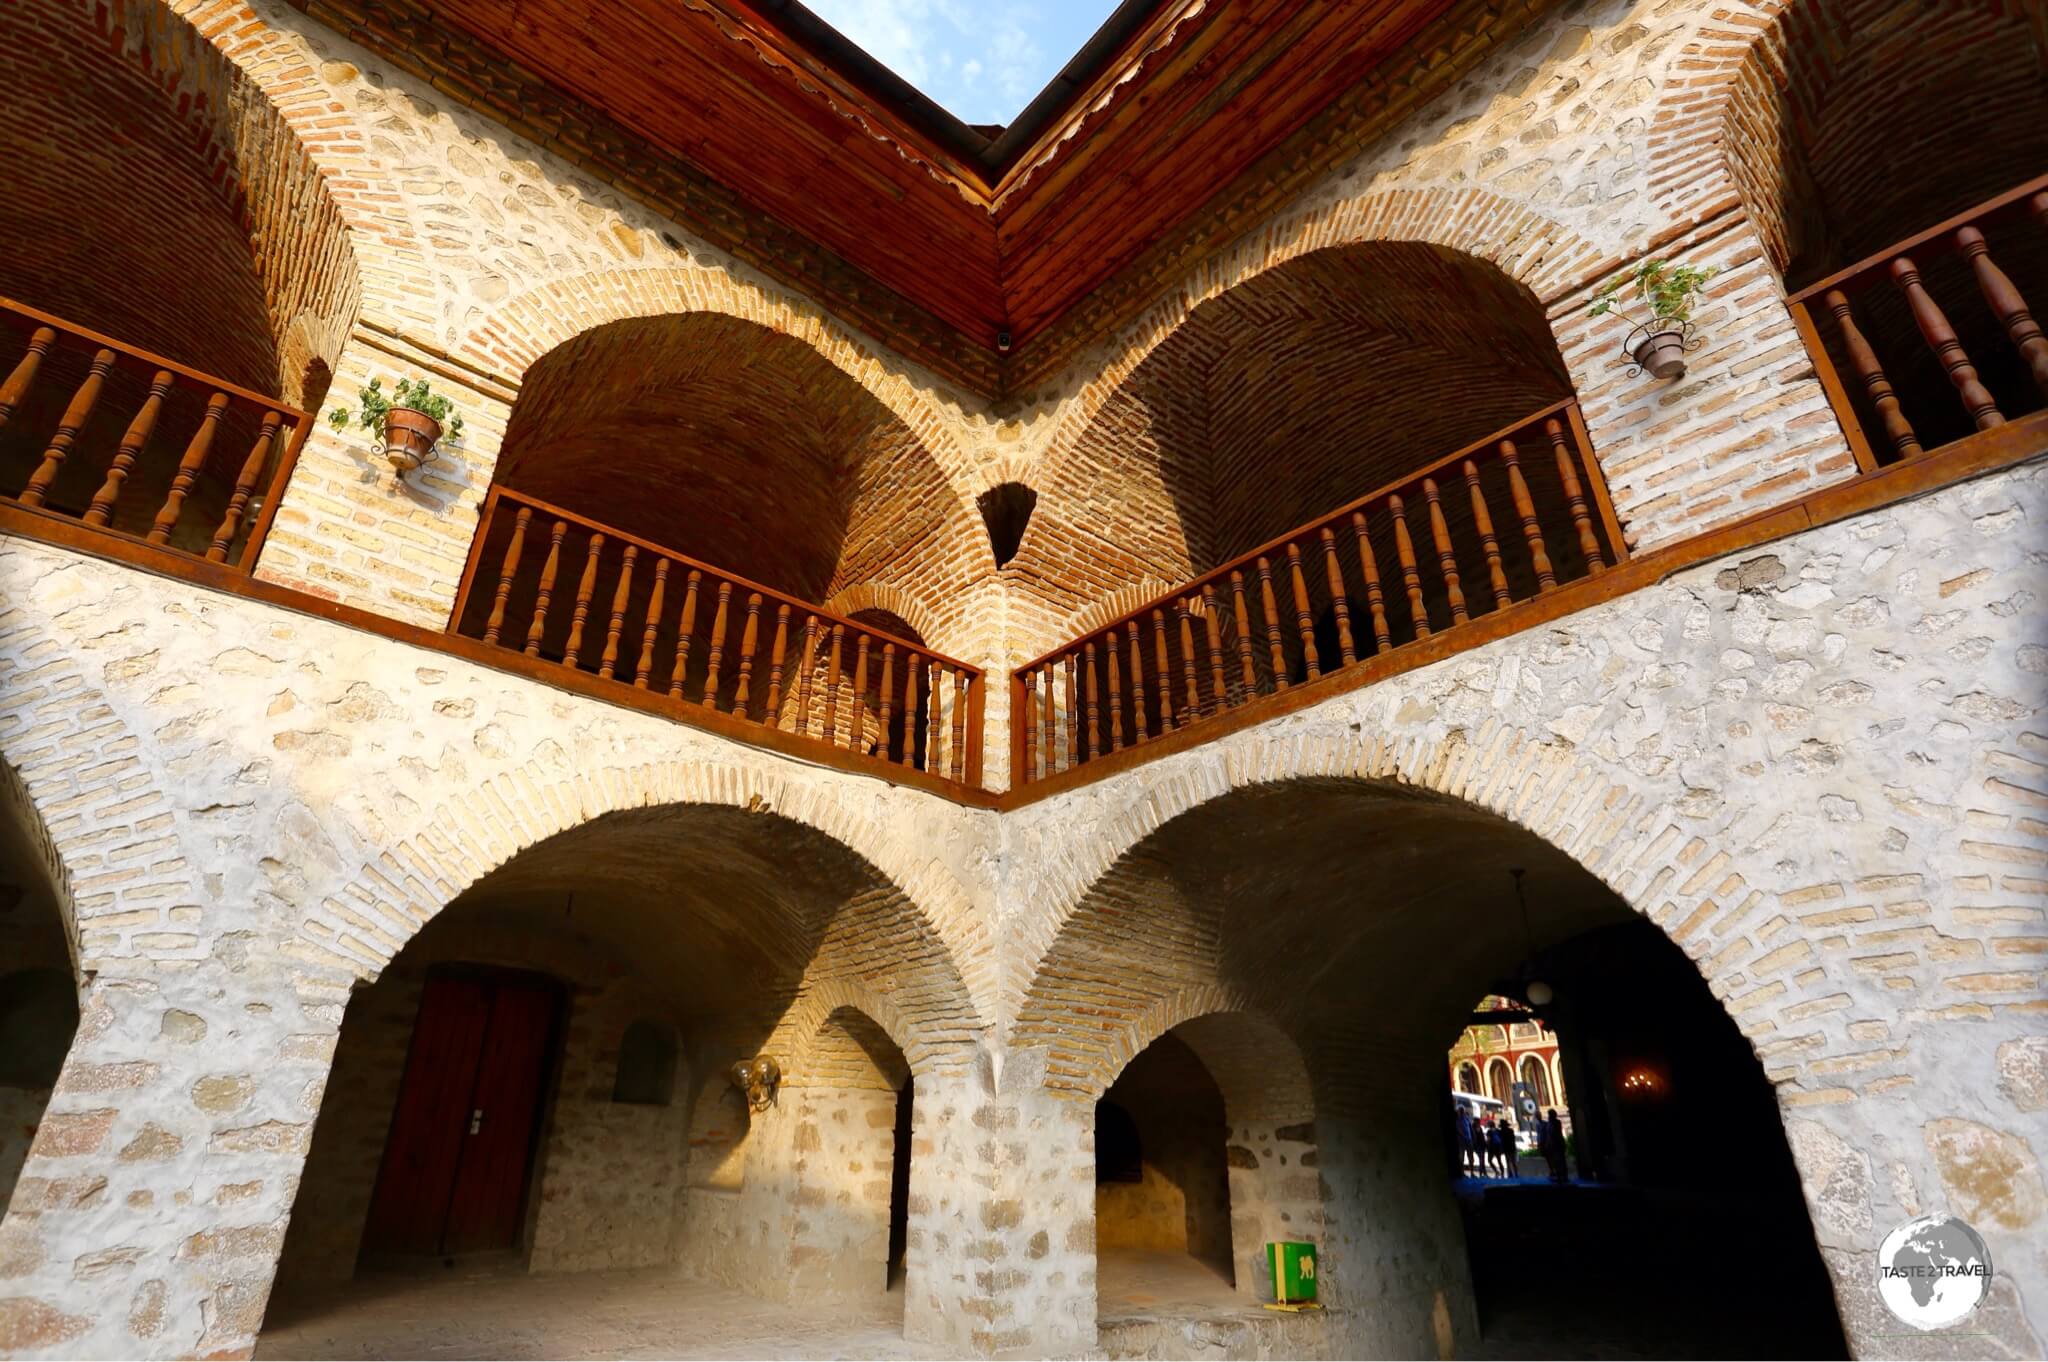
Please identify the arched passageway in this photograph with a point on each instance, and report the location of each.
(1310, 385)
(540, 1082)
(1854, 125)
(1363, 920)
(38, 978)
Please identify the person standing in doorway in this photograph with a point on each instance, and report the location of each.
(1551, 1141)
(1504, 1133)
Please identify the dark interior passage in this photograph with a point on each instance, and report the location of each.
(1679, 1169)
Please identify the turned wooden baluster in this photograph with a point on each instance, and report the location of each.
(75, 416)
(911, 660)
(1525, 507)
(888, 697)
(1333, 572)
(857, 731)
(245, 487)
(584, 589)
(935, 740)
(102, 508)
(655, 601)
(714, 656)
(1116, 692)
(1375, 598)
(1489, 545)
(1049, 738)
(546, 591)
(1304, 618)
(750, 639)
(2007, 305)
(1028, 704)
(1864, 364)
(1094, 709)
(831, 733)
(1941, 337)
(18, 383)
(803, 677)
(1447, 558)
(1212, 624)
(1575, 497)
(1139, 721)
(1162, 670)
(959, 725)
(773, 717)
(1190, 674)
(2038, 206)
(1404, 546)
(507, 569)
(1241, 614)
(686, 628)
(608, 662)
(1073, 711)
(188, 469)
(1270, 605)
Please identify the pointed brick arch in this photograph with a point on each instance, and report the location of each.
(351, 939)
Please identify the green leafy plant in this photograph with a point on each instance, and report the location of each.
(411, 393)
(1669, 291)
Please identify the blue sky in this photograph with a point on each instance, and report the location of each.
(981, 60)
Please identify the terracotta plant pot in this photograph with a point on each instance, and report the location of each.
(409, 438)
(1662, 353)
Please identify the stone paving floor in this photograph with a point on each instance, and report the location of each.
(493, 1312)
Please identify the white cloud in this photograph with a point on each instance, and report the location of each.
(977, 59)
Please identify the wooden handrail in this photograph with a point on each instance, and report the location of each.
(169, 440)
(1887, 424)
(561, 587)
(1460, 538)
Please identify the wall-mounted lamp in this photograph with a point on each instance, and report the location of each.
(758, 1078)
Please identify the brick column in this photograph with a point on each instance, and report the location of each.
(1748, 426)
(149, 1216)
(350, 529)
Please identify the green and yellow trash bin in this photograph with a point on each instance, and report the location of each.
(1293, 1266)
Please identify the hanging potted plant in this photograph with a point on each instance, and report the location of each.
(1667, 293)
(411, 421)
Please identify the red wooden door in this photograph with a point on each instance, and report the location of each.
(454, 1172)
(490, 1182)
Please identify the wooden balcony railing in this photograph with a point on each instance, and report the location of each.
(1447, 548)
(1876, 337)
(565, 589)
(137, 447)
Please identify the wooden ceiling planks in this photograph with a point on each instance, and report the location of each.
(1054, 245)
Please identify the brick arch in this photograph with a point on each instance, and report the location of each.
(1538, 252)
(1759, 78)
(1257, 1064)
(18, 806)
(841, 1036)
(531, 323)
(265, 141)
(1587, 812)
(889, 597)
(359, 929)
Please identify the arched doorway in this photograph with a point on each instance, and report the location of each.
(588, 1000)
(38, 981)
(1367, 917)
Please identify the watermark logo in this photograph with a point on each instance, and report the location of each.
(1933, 1271)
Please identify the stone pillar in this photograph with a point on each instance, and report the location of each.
(1747, 428)
(845, 1141)
(1002, 1213)
(150, 1213)
(349, 529)
(1275, 1194)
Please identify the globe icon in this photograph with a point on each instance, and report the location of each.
(1933, 1271)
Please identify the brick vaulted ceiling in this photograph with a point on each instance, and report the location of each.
(773, 138)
